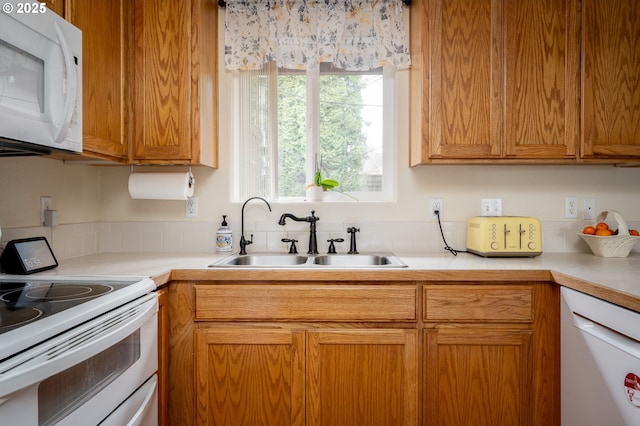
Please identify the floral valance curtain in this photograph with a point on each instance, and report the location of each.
(354, 35)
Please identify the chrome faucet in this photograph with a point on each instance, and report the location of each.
(244, 243)
(313, 240)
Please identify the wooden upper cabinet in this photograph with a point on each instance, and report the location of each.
(175, 82)
(495, 79)
(104, 75)
(611, 80)
(542, 58)
(56, 6)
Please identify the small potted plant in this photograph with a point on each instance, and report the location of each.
(315, 190)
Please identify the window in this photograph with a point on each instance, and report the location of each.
(289, 123)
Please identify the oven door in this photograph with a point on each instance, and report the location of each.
(85, 374)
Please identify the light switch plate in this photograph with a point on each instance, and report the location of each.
(491, 207)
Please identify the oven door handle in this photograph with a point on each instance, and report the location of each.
(138, 408)
(76, 345)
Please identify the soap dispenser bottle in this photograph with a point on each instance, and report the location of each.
(224, 237)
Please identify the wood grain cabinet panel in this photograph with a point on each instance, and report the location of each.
(611, 80)
(56, 6)
(478, 377)
(105, 67)
(457, 303)
(362, 377)
(249, 376)
(495, 80)
(303, 302)
(175, 82)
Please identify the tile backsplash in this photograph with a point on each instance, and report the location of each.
(74, 240)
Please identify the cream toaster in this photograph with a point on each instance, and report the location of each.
(504, 236)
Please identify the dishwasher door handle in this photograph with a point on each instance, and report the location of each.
(616, 339)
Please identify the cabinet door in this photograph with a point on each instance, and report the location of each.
(477, 377)
(249, 376)
(541, 65)
(496, 79)
(362, 377)
(611, 79)
(162, 97)
(464, 94)
(104, 75)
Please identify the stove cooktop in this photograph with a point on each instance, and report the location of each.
(34, 309)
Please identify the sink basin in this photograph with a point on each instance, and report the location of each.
(262, 261)
(343, 261)
(359, 260)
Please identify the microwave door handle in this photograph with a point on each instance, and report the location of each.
(69, 101)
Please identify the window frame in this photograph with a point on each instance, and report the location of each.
(387, 194)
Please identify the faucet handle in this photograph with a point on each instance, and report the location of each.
(332, 247)
(292, 249)
(352, 247)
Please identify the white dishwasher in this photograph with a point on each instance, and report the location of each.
(600, 360)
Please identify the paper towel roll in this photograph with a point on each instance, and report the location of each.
(161, 186)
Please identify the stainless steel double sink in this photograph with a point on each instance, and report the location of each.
(343, 261)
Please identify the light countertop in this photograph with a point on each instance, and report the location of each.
(613, 279)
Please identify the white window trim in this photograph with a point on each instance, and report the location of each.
(389, 140)
(395, 90)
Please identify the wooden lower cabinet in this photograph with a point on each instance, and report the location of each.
(477, 377)
(364, 353)
(249, 376)
(362, 377)
(258, 376)
(491, 354)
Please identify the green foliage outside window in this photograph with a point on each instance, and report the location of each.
(343, 145)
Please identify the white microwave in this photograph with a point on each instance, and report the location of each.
(40, 81)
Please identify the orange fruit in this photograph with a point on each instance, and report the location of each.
(634, 232)
(590, 230)
(604, 232)
(602, 225)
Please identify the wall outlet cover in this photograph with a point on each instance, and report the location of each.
(192, 207)
(491, 207)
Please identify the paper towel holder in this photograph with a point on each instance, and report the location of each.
(192, 179)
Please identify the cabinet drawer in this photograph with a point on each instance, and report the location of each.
(305, 302)
(473, 302)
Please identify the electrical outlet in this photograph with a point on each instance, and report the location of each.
(491, 206)
(192, 207)
(46, 203)
(435, 204)
(571, 208)
(589, 208)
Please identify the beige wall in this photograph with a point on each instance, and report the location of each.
(526, 190)
(91, 194)
(75, 191)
